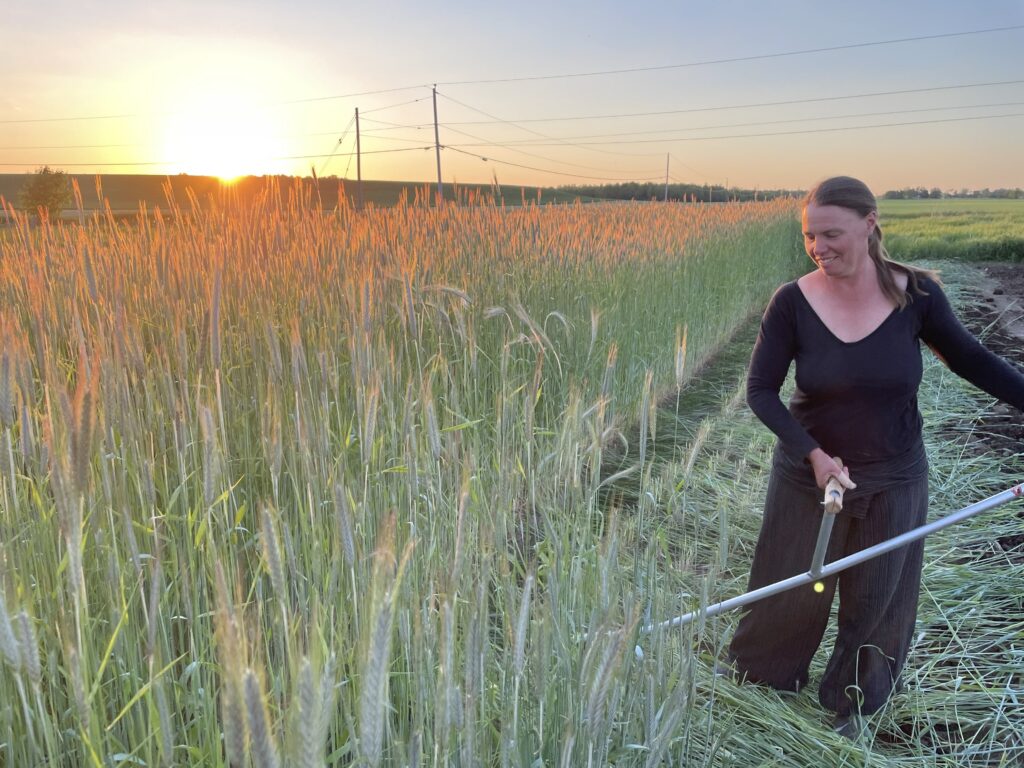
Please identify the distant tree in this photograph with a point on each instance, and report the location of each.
(46, 192)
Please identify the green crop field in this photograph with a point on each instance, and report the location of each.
(288, 486)
(961, 229)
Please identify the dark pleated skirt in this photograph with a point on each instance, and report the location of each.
(776, 640)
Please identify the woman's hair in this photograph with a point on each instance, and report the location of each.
(854, 195)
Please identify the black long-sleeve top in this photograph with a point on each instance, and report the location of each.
(858, 400)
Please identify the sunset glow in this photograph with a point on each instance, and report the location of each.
(902, 95)
(223, 143)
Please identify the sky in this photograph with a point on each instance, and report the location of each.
(764, 95)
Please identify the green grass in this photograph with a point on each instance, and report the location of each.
(965, 230)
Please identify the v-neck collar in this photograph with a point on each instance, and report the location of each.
(832, 333)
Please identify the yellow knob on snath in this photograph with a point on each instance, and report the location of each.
(819, 587)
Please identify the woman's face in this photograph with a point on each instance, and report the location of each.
(836, 238)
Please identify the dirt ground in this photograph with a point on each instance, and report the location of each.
(997, 317)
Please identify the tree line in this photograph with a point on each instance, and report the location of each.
(687, 193)
(648, 191)
(48, 191)
(920, 193)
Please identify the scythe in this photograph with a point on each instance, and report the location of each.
(818, 570)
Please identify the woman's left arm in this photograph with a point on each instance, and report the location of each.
(964, 354)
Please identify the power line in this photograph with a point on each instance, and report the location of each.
(570, 141)
(73, 146)
(457, 148)
(127, 115)
(514, 125)
(342, 131)
(543, 170)
(493, 117)
(528, 143)
(347, 95)
(746, 106)
(528, 154)
(123, 116)
(393, 138)
(178, 162)
(499, 145)
(633, 141)
(340, 141)
(343, 154)
(710, 62)
(690, 167)
(450, 124)
(507, 145)
(394, 126)
(88, 117)
(393, 106)
(139, 164)
(783, 133)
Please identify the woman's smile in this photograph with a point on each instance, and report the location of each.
(832, 233)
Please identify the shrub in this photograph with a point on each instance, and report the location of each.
(46, 193)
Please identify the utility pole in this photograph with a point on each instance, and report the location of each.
(359, 166)
(667, 156)
(437, 151)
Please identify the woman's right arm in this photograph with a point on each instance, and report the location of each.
(774, 351)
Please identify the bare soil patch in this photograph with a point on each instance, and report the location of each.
(996, 316)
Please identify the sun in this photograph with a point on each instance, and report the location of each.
(222, 142)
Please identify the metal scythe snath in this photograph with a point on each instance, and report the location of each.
(833, 503)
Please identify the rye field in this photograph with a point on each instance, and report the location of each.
(286, 487)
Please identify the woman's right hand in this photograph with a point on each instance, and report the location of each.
(826, 467)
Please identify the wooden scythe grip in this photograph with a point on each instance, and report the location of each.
(834, 492)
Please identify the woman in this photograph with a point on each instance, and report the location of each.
(853, 327)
